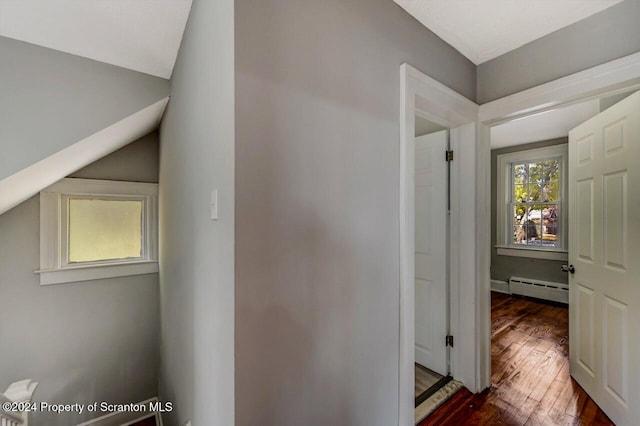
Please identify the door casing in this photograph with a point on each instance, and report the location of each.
(423, 96)
(614, 77)
(470, 124)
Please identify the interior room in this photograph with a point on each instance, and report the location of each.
(530, 265)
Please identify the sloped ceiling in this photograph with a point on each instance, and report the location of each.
(485, 29)
(50, 100)
(141, 35)
(78, 80)
(32, 179)
(61, 112)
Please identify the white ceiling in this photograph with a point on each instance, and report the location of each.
(142, 35)
(485, 29)
(547, 125)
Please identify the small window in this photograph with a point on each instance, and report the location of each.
(531, 218)
(93, 229)
(534, 208)
(104, 229)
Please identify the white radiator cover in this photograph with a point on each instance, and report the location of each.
(556, 292)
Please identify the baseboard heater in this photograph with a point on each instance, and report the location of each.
(556, 292)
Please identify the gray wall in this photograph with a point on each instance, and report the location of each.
(86, 341)
(317, 148)
(196, 253)
(137, 162)
(503, 267)
(610, 34)
(610, 101)
(50, 100)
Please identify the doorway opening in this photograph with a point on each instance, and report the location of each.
(470, 304)
(422, 96)
(431, 260)
(546, 191)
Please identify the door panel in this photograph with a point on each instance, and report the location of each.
(585, 344)
(615, 373)
(604, 307)
(431, 251)
(615, 208)
(584, 219)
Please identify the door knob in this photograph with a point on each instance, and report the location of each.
(570, 268)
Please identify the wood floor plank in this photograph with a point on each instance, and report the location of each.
(541, 413)
(530, 377)
(549, 370)
(459, 403)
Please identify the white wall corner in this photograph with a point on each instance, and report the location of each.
(449, 109)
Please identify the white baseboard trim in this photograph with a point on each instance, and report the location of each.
(125, 418)
(500, 286)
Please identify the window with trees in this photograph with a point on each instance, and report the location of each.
(531, 196)
(535, 209)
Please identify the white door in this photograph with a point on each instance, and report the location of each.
(431, 251)
(604, 249)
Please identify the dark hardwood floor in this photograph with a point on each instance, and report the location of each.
(530, 382)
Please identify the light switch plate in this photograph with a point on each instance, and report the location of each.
(214, 204)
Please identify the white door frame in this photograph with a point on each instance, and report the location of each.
(614, 77)
(470, 306)
(430, 99)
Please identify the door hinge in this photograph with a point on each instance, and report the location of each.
(449, 341)
(449, 155)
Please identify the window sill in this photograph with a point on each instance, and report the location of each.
(93, 272)
(533, 253)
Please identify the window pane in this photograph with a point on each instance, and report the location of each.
(551, 214)
(551, 170)
(520, 193)
(519, 224)
(550, 192)
(519, 234)
(534, 215)
(519, 214)
(104, 230)
(533, 235)
(535, 212)
(535, 172)
(519, 174)
(550, 236)
(535, 192)
(551, 226)
(532, 221)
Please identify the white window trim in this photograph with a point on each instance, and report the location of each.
(503, 199)
(53, 266)
(533, 253)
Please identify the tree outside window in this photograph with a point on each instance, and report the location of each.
(535, 203)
